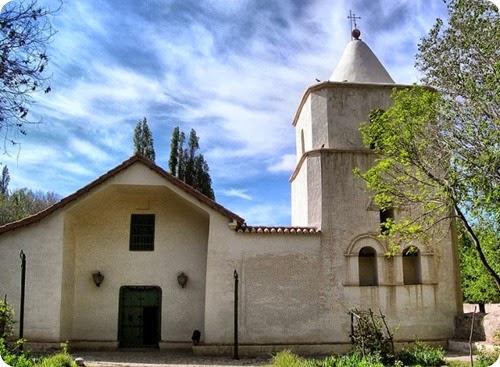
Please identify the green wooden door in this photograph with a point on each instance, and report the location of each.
(139, 317)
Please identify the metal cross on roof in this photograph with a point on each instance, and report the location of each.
(352, 17)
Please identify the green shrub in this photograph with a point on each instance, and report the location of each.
(352, 360)
(286, 358)
(14, 356)
(422, 354)
(6, 319)
(485, 359)
(57, 360)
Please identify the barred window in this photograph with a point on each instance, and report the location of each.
(142, 232)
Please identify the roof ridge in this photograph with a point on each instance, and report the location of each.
(111, 173)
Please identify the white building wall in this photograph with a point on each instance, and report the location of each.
(278, 286)
(42, 243)
(102, 230)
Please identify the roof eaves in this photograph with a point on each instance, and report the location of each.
(125, 164)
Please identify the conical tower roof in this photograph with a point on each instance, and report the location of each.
(359, 64)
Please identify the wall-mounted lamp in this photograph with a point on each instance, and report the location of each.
(98, 278)
(182, 279)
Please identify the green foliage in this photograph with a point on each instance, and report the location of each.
(477, 285)
(24, 202)
(187, 164)
(57, 360)
(143, 141)
(14, 356)
(288, 359)
(4, 181)
(486, 359)
(439, 153)
(6, 319)
(173, 162)
(371, 335)
(421, 354)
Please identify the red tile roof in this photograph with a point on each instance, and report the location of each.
(276, 229)
(134, 159)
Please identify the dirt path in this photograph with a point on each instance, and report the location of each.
(156, 358)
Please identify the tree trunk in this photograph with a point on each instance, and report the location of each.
(482, 308)
(477, 245)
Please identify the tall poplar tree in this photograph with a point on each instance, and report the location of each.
(173, 162)
(4, 181)
(143, 141)
(187, 164)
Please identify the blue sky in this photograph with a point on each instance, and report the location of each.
(233, 70)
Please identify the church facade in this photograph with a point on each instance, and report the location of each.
(138, 258)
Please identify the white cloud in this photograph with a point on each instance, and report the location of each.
(286, 164)
(89, 150)
(238, 83)
(237, 193)
(265, 214)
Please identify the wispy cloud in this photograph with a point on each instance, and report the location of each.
(286, 164)
(237, 193)
(233, 70)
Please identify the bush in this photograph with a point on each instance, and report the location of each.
(288, 359)
(422, 354)
(351, 360)
(14, 356)
(485, 359)
(370, 335)
(6, 319)
(57, 360)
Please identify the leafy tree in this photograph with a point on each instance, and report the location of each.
(25, 31)
(4, 181)
(439, 151)
(24, 202)
(477, 285)
(187, 164)
(181, 157)
(173, 162)
(143, 140)
(190, 154)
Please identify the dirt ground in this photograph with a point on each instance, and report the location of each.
(157, 358)
(162, 358)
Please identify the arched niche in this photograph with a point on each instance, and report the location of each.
(367, 266)
(365, 269)
(412, 266)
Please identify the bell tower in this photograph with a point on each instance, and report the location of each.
(325, 192)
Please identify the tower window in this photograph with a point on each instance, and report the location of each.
(142, 232)
(386, 215)
(411, 266)
(367, 265)
(302, 143)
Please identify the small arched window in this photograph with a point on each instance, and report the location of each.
(367, 261)
(411, 266)
(302, 142)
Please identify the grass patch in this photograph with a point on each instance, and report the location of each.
(57, 360)
(421, 354)
(289, 359)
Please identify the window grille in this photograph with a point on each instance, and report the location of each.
(142, 232)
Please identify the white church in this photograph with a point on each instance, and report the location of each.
(139, 259)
